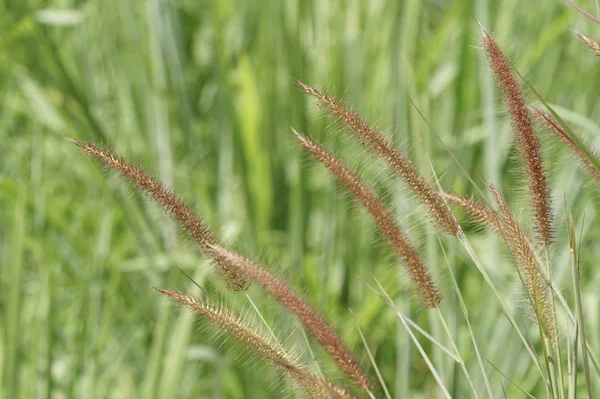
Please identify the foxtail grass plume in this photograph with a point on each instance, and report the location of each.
(237, 269)
(527, 140)
(555, 128)
(592, 44)
(524, 254)
(368, 136)
(507, 227)
(382, 216)
(483, 213)
(263, 345)
(173, 206)
(314, 323)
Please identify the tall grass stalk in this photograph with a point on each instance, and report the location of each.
(580, 325)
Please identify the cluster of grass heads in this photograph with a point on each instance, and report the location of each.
(201, 94)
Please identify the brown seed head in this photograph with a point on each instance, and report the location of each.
(382, 216)
(173, 206)
(592, 44)
(315, 324)
(507, 227)
(526, 138)
(480, 211)
(524, 255)
(263, 345)
(371, 138)
(555, 128)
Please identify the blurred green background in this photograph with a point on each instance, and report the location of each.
(201, 94)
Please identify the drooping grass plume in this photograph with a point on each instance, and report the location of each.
(382, 216)
(173, 206)
(527, 140)
(373, 139)
(507, 227)
(555, 128)
(592, 44)
(480, 211)
(261, 344)
(236, 271)
(524, 254)
(315, 324)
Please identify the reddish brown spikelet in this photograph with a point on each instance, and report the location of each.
(405, 169)
(315, 324)
(527, 140)
(263, 345)
(481, 212)
(524, 255)
(554, 127)
(382, 216)
(507, 227)
(592, 44)
(173, 206)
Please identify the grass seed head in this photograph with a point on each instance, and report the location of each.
(172, 205)
(592, 44)
(417, 269)
(261, 344)
(555, 128)
(524, 254)
(315, 324)
(527, 140)
(373, 139)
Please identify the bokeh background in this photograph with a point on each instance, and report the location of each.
(200, 93)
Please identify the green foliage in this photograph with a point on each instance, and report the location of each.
(201, 94)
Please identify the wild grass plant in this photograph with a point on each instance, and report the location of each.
(473, 279)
